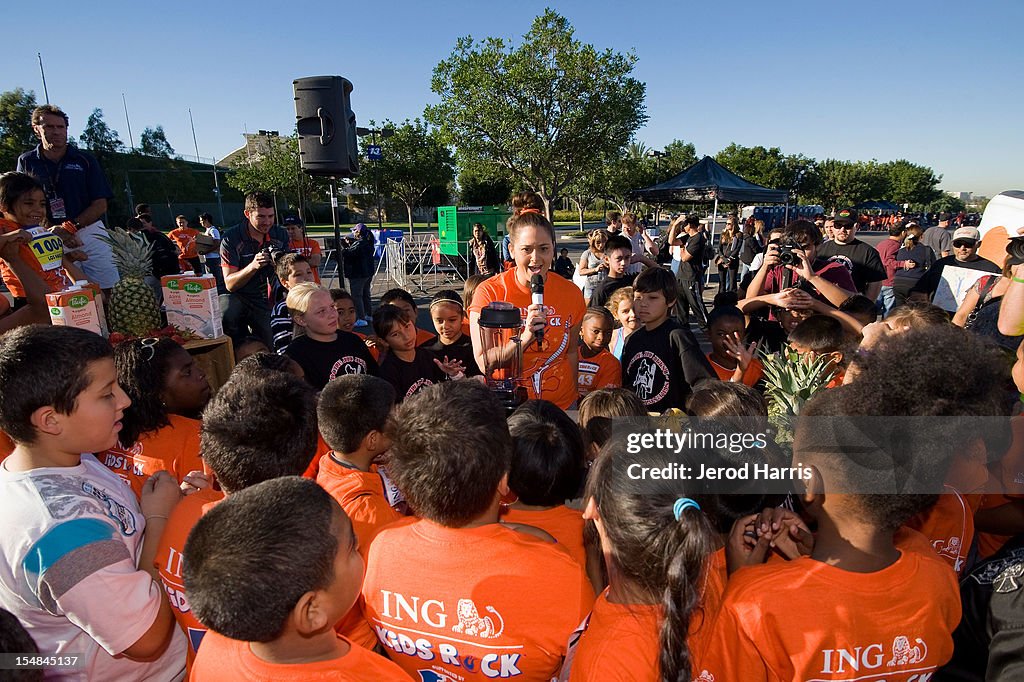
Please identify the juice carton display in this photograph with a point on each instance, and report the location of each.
(171, 286)
(74, 307)
(200, 305)
(100, 307)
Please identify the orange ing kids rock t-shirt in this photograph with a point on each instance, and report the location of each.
(807, 620)
(546, 371)
(949, 527)
(322, 448)
(564, 524)
(169, 561)
(361, 495)
(473, 603)
(620, 643)
(174, 448)
(185, 239)
(601, 371)
(753, 374)
(224, 659)
(307, 247)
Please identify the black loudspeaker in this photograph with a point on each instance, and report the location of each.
(326, 126)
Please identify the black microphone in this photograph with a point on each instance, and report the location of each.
(537, 296)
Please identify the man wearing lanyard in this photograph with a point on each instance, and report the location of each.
(247, 261)
(76, 192)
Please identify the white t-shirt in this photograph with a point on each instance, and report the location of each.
(69, 548)
(212, 231)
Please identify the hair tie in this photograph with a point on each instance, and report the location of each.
(530, 210)
(439, 301)
(682, 504)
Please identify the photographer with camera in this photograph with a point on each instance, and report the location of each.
(248, 252)
(793, 263)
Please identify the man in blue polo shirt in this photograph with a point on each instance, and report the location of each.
(247, 261)
(76, 191)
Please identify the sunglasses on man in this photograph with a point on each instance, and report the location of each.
(964, 243)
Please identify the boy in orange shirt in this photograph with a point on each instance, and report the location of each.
(482, 600)
(301, 244)
(598, 367)
(351, 413)
(547, 469)
(861, 619)
(270, 570)
(184, 237)
(276, 437)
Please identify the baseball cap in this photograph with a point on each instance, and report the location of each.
(944, 216)
(292, 220)
(967, 233)
(846, 216)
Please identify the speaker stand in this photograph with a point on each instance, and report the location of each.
(339, 269)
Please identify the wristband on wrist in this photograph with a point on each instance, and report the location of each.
(1018, 280)
(69, 227)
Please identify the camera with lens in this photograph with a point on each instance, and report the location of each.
(1015, 251)
(273, 251)
(788, 253)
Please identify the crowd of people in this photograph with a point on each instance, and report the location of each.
(361, 505)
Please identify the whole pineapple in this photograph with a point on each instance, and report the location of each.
(790, 382)
(133, 310)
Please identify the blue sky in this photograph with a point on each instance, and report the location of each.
(933, 82)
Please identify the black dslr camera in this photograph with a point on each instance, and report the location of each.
(788, 255)
(273, 251)
(1015, 251)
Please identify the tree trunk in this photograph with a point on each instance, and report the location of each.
(408, 210)
(580, 208)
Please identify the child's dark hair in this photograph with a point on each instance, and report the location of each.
(725, 299)
(142, 366)
(860, 306)
(260, 425)
(653, 280)
(340, 295)
(895, 380)
(253, 556)
(714, 398)
(15, 185)
(819, 333)
(547, 454)
(250, 341)
(283, 265)
(392, 295)
(264, 361)
(450, 448)
(350, 407)
(14, 639)
(43, 365)
(386, 317)
(652, 547)
(469, 289)
(725, 313)
(598, 409)
(448, 296)
(598, 311)
(617, 241)
(918, 315)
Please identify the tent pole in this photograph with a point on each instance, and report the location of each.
(714, 221)
(787, 214)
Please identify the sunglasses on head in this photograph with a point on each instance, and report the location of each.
(149, 348)
(962, 243)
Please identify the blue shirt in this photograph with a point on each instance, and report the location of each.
(77, 178)
(238, 249)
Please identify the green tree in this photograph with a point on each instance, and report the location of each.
(98, 137)
(678, 157)
(153, 142)
(16, 136)
(487, 188)
(845, 183)
(910, 183)
(945, 202)
(413, 160)
(548, 110)
(274, 167)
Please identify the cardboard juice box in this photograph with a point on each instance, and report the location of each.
(171, 286)
(200, 305)
(74, 308)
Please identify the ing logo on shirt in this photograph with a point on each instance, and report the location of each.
(950, 549)
(348, 364)
(904, 654)
(472, 623)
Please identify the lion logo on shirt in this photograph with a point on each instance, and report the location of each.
(472, 623)
(705, 676)
(904, 654)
